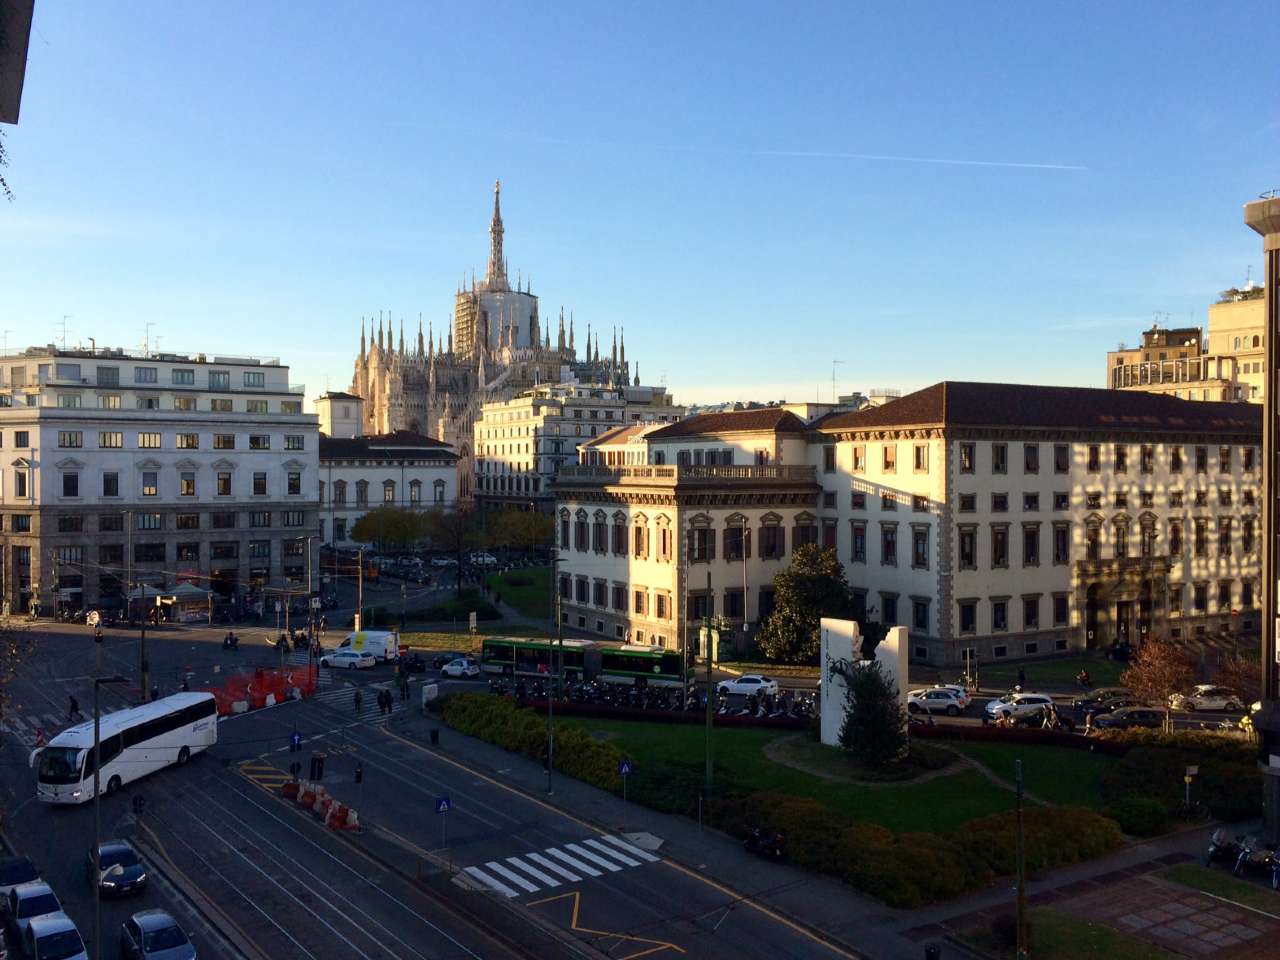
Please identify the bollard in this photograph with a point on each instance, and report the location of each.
(435, 736)
(932, 951)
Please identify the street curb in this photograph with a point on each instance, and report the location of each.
(213, 915)
(810, 930)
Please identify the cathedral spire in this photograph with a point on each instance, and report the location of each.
(559, 337)
(362, 338)
(402, 337)
(431, 342)
(637, 374)
(614, 361)
(572, 348)
(421, 349)
(497, 272)
(379, 329)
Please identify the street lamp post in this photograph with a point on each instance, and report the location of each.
(97, 813)
(556, 675)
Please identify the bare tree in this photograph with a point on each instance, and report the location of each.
(1158, 671)
(1243, 675)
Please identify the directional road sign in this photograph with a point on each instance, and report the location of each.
(442, 805)
(624, 768)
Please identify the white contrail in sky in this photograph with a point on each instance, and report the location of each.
(814, 154)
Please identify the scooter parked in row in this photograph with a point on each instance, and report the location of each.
(1258, 859)
(766, 843)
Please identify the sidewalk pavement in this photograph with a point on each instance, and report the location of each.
(856, 921)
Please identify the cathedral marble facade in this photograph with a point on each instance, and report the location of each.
(497, 348)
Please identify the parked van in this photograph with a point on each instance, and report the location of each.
(383, 644)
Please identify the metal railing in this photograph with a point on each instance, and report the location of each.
(681, 474)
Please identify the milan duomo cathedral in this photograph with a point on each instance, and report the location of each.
(497, 347)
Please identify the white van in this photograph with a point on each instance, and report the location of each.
(383, 644)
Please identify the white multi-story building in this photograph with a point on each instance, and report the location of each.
(1008, 520)
(156, 467)
(521, 444)
(403, 470)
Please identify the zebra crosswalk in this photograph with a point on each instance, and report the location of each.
(555, 866)
(341, 698)
(34, 729)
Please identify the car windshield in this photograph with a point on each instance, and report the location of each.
(60, 765)
(38, 906)
(121, 856)
(19, 871)
(165, 938)
(59, 946)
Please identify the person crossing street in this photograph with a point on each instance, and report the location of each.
(74, 710)
(359, 700)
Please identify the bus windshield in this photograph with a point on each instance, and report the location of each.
(60, 765)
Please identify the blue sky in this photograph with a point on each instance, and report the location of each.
(751, 190)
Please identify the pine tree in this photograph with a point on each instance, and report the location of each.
(875, 725)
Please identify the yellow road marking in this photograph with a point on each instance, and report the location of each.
(655, 946)
(734, 895)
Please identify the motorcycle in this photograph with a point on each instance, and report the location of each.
(1222, 847)
(1255, 858)
(765, 843)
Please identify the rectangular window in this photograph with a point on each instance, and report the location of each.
(1246, 594)
(1147, 458)
(255, 378)
(187, 483)
(1224, 459)
(187, 521)
(71, 524)
(888, 501)
(1200, 598)
(1121, 458)
(1175, 459)
(1030, 613)
(220, 405)
(148, 403)
(294, 518)
(968, 502)
(1061, 610)
(1201, 538)
(1061, 543)
(999, 458)
(185, 404)
(110, 440)
(890, 458)
(260, 518)
(966, 457)
(20, 438)
(224, 550)
(144, 375)
(1175, 538)
(224, 441)
(110, 522)
(223, 488)
(968, 616)
(294, 441)
(291, 406)
(999, 546)
(1224, 596)
(1061, 458)
(183, 378)
(148, 441)
(1093, 461)
(920, 458)
(1031, 458)
(920, 548)
(293, 484)
(148, 553)
(70, 438)
(20, 483)
(1247, 454)
(1224, 536)
(1246, 535)
(260, 484)
(255, 406)
(920, 615)
(20, 523)
(999, 615)
(111, 484)
(968, 548)
(639, 599)
(219, 380)
(259, 442)
(858, 500)
(67, 371)
(150, 521)
(829, 459)
(71, 484)
(1202, 459)
(889, 544)
(999, 503)
(188, 552)
(859, 537)
(1031, 544)
(920, 504)
(108, 401)
(888, 608)
(69, 401)
(859, 459)
(188, 441)
(150, 483)
(1030, 502)
(1062, 501)
(223, 521)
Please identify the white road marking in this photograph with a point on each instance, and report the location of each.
(632, 849)
(609, 851)
(561, 855)
(491, 883)
(533, 872)
(515, 878)
(555, 867)
(594, 858)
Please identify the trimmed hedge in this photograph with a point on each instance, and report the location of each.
(501, 722)
(1139, 816)
(891, 866)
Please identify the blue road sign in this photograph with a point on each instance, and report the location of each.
(624, 768)
(442, 804)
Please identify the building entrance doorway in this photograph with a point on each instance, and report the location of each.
(1124, 615)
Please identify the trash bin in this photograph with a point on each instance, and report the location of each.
(435, 736)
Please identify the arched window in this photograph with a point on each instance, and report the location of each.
(388, 491)
(1237, 343)
(339, 491)
(1257, 341)
(1121, 542)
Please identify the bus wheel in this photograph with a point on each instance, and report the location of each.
(183, 756)
(113, 785)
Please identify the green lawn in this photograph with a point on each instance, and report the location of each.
(1057, 936)
(669, 764)
(1052, 674)
(1222, 884)
(1057, 775)
(769, 669)
(528, 590)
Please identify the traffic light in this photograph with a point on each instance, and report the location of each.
(295, 742)
(359, 773)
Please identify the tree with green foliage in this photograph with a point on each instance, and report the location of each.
(519, 531)
(811, 588)
(390, 528)
(874, 731)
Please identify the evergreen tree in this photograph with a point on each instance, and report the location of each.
(875, 725)
(811, 588)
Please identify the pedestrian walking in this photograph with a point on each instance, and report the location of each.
(404, 687)
(75, 710)
(359, 698)
(1022, 678)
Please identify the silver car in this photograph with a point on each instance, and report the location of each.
(154, 935)
(53, 937)
(28, 901)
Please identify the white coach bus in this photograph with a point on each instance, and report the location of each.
(133, 743)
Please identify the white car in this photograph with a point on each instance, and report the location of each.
(1019, 705)
(747, 684)
(484, 559)
(461, 667)
(1207, 696)
(963, 697)
(935, 700)
(349, 659)
(443, 562)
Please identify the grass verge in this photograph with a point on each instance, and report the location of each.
(1222, 884)
(1056, 775)
(528, 590)
(769, 669)
(1056, 936)
(1052, 674)
(808, 754)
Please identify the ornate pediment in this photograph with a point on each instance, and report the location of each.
(223, 464)
(186, 463)
(70, 463)
(148, 464)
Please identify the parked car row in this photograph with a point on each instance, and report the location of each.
(41, 930)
